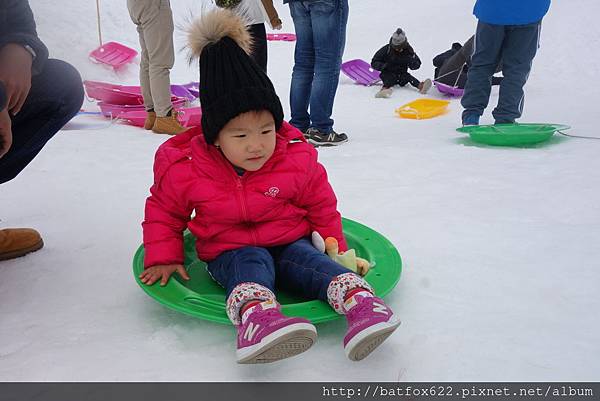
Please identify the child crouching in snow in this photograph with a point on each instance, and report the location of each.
(394, 60)
(258, 192)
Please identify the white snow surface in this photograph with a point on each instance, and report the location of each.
(501, 263)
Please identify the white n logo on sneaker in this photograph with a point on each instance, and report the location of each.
(379, 308)
(251, 331)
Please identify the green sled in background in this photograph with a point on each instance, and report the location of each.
(512, 134)
(202, 297)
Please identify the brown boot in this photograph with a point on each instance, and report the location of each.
(150, 118)
(168, 125)
(16, 242)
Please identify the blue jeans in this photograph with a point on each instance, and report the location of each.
(55, 97)
(515, 46)
(320, 38)
(298, 268)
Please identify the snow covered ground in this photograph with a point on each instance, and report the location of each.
(500, 245)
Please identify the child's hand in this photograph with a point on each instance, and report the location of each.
(162, 272)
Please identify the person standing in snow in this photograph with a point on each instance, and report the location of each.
(320, 40)
(394, 60)
(258, 192)
(38, 96)
(255, 13)
(154, 21)
(508, 31)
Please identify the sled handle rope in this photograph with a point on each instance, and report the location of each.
(98, 19)
(577, 136)
(452, 72)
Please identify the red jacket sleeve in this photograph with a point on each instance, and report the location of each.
(319, 200)
(165, 219)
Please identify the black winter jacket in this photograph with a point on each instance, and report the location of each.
(18, 26)
(441, 58)
(388, 59)
(453, 65)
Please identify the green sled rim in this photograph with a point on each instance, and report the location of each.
(512, 134)
(203, 298)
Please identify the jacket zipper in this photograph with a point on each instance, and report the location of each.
(242, 200)
(241, 191)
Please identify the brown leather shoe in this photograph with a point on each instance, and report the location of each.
(16, 242)
(168, 125)
(150, 118)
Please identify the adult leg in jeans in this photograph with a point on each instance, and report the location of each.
(321, 36)
(520, 46)
(304, 65)
(55, 97)
(329, 19)
(486, 55)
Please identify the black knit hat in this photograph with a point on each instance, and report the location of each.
(398, 38)
(231, 83)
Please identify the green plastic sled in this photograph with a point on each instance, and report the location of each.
(202, 297)
(512, 134)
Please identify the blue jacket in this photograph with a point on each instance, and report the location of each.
(511, 12)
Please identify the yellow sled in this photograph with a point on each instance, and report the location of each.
(422, 108)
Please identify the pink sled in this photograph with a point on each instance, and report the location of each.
(128, 94)
(118, 110)
(113, 54)
(188, 116)
(286, 37)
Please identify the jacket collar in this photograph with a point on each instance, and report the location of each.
(210, 160)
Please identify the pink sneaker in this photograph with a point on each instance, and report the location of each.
(266, 335)
(370, 322)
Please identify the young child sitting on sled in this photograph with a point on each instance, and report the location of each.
(394, 60)
(257, 193)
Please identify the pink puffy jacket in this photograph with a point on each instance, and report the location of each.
(287, 199)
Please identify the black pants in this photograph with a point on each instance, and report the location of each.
(55, 97)
(391, 78)
(259, 49)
